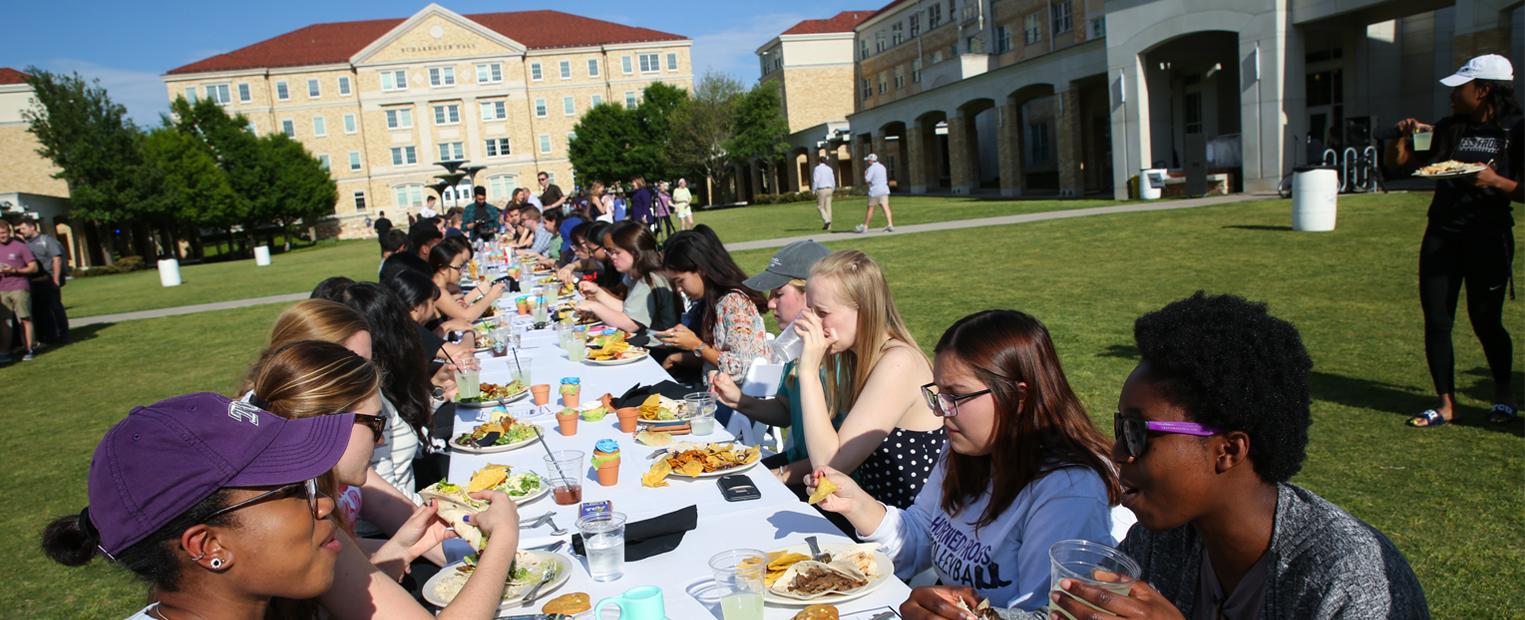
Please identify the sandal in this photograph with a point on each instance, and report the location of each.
(1429, 418)
(1502, 414)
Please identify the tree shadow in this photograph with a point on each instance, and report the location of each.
(1401, 400)
(1124, 351)
(1260, 227)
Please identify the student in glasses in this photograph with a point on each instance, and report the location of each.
(1210, 426)
(1025, 469)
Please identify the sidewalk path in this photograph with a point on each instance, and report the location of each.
(759, 244)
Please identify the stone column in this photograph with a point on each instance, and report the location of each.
(792, 160)
(916, 154)
(1009, 149)
(1069, 144)
(963, 153)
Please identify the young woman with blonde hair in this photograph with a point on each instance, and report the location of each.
(861, 365)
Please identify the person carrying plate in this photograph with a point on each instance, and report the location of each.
(1470, 236)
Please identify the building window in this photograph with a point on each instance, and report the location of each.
(565, 67)
(879, 42)
(394, 80)
(400, 118)
(404, 155)
(354, 160)
(441, 76)
(323, 161)
(934, 16)
(190, 94)
(899, 78)
(596, 100)
(497, 147)
(540, 109)
(219, 93)
(545, 143)
(672, 61)
(630, 99)
(501, 186)
(592, 67)
(360, 200)
(289, 128)
(319, 127)
(496, 110)
(569, 106)
(650, 63)
(314, 89)
(452, 151)
(883, 85)
(349, 123)
(281, 92)
(916, 71)
(1032, 28)
(1193, 112)
(1063, 16)
(1002, 39)
(447, 114)
(915, 25)
(489, 73)
(625, 64)
(411, 195)
(252, 128)
(868, 89)
(896, 34)
(862, 49)
(1037, 140)
(535, 72)
(343, 86)
(571, 135)
(243, 92)
(1098, 27)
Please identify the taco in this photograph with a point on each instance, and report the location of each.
(809, 579)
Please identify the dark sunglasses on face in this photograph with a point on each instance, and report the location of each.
(377, 424)
(1132, 432)
(307, 489)
(944, 404)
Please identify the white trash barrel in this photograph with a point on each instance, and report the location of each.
(262, 256)
(169, 272)
(1151, 183)
(1314, 192)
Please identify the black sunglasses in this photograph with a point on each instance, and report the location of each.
(377, 424)
(1133, 431)
(307, 488)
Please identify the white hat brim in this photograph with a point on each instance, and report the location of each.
(1455, 80)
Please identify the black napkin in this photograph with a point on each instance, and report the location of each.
(638, 394)
(654, 536)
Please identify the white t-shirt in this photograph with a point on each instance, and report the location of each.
(1007, 560)
(877, 179)
(393, 459)
(426, 212)
(143, 614)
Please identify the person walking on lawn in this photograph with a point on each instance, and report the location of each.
(878, 183)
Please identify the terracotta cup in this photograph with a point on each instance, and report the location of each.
(609, 473)
(567, 422)
(571, 399)
(628, 417)
(541, 392)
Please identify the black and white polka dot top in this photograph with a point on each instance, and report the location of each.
(895, 471)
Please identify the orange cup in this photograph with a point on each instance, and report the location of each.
(567, 420)
(571, 399)
(541, 392)
(628, 417)
(609, 473)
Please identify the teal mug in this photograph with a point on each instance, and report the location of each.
(643, 603)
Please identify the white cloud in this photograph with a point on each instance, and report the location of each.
(140, 91)
(734, 51)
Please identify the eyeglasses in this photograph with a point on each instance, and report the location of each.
(308, 488)
(1133, 431)
(377, 424)
(456, 267)
(944, 404)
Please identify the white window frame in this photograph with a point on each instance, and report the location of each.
(537, 74)
(282, 91)
(565, 69)
(651, 63)
(245, 94)
(1002, 39)
(497, 147)
(404, 155)
(314, 88)
(393, 80)
(289, 127)
(324, 161)
(1032, 28)
(319, 127)
(593, 67)
(501, 186)
(630, 101)
(568, 106)
(396, 116)
(541, 109)
(354, 161)
(627, 64)
(545, 143)
(452, 151)
(344, 86)
(672, 61)
(219, 93)
(595, 101)
(490, 73)
(447, 114)
(350, 124)
(915, 25)
(1063, 13)
(359, 197)
(442, 76)
(493, 109)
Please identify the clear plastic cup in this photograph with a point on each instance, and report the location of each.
(1422, 139)
(739, 579)
(787, 347)
(1090, 563)
(603, 540)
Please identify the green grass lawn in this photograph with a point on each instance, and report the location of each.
(289, 272)
(800, 218)
(1450, 498)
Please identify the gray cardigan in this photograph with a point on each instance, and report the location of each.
(1326, 564)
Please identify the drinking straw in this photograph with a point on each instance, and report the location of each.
(540, 437)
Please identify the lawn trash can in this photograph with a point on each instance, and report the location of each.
(169, 272)
(262, 256)
(1151, 183)
(1315, 190)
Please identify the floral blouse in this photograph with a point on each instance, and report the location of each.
(739, 335)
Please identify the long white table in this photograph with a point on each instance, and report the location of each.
(777, 519)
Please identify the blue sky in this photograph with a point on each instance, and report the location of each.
(128, 45)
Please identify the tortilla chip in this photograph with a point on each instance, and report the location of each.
(782, 560)
(654, 439)
(692, 468)
(771, 577)
(823, 487)
(488, 477)
(657, 476)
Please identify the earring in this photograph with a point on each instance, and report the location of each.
(198, 558)
(216, 563)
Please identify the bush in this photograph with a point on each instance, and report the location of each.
(125, 264)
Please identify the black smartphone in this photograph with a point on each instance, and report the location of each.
(738, 488)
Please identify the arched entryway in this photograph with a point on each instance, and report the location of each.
(1192, 84)
(895, 155)
(1034, 135)
(973, 164)
(928, 150)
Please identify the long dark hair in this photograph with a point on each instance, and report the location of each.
(694, 251)
(1501, 99)
(443, 255)
(412, 288)
(396, 350)
(1035, 435)
(640, 243)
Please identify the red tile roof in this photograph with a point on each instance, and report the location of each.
(322, 44)
(11, 76)
(841, 22)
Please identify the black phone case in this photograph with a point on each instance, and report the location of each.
(738, 488)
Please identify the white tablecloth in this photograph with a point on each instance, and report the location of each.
(776, 520)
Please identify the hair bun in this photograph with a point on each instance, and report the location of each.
(71, 540)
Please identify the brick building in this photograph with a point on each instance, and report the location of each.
(27, 185)
(380, 101)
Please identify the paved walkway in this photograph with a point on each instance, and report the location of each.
(759, 244)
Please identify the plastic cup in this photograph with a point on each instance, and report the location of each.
(739, 579)
(603, 539)
(1422, 140)
(564, 469)
(468, 383)
(1091, 563)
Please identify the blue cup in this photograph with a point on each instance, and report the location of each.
(643, 603)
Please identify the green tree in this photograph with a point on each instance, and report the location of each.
(188, 187)
(237, 151)
(653, 156)
(300, 189)
(701, 128)
(761, 128)
(604, 148)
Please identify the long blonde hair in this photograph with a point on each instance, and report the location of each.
(310, 319)
(860, 284)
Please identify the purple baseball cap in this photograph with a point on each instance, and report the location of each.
(164, 458)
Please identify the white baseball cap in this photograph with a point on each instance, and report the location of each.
(871, 157)
(1486, 67)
